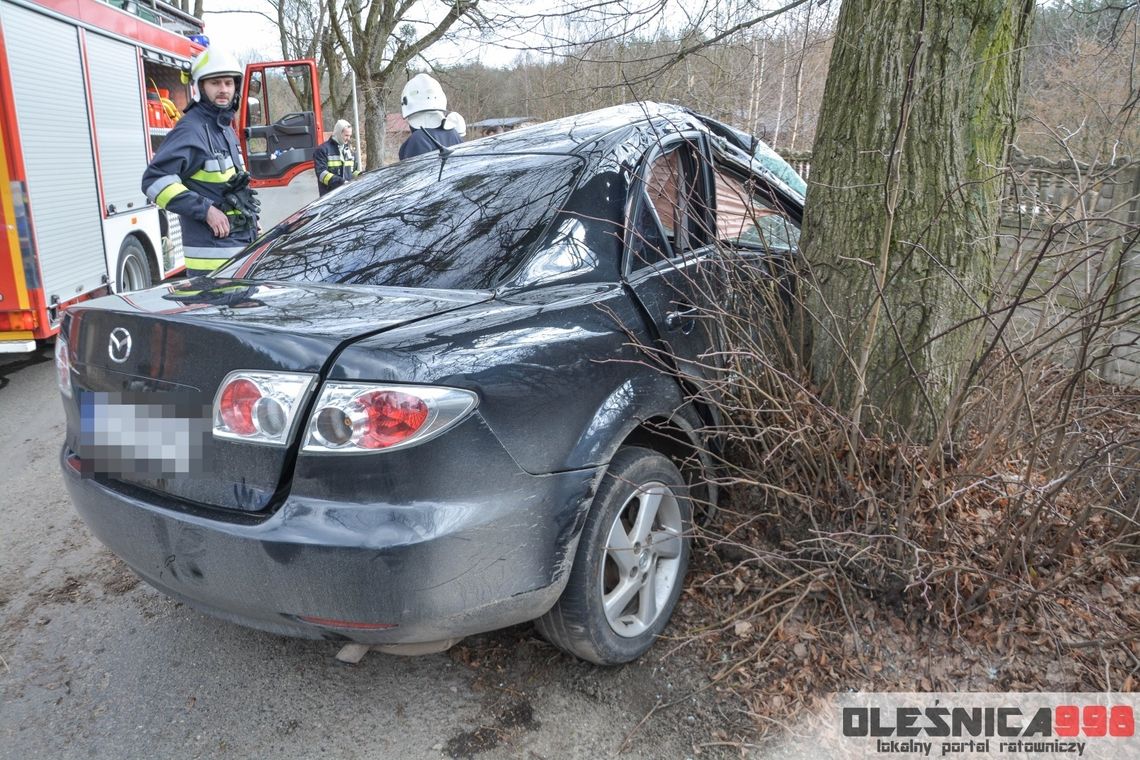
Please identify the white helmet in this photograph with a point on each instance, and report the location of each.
(457, 122)
(214, 63)
(422, 93)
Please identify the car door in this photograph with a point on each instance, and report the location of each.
(668, 244)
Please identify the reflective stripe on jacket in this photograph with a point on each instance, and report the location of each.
(190, 170)
(202, 260)
(333, 166)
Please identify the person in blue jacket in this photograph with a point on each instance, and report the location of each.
(198, 172)
(333, 160)
(424, 105)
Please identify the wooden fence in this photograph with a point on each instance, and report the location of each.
(1069, 258)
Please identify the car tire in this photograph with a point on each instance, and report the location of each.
(627, 573)
(133, 269)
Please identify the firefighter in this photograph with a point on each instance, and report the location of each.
(198, 171)
(333, 160)
(423, 104)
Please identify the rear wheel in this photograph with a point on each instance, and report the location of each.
(630, 564)
(133, 270)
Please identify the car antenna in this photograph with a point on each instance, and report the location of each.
(444, 152)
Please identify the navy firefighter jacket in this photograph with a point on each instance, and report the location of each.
(333, 166)
(190, 171)
(428, 139)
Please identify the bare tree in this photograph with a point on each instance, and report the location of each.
(380, 39)
(583, 56)
(1081, 77)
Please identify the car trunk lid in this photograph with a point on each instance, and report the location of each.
(148, 366)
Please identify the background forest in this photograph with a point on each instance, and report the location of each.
(759, 66)
(1079, 76)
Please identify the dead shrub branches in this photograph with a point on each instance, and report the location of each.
(1015, 533)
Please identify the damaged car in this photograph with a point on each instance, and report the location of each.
(455, 395)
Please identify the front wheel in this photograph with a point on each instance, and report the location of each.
(630, 564)
(133, 270)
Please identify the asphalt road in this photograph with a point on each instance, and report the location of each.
(94, 663)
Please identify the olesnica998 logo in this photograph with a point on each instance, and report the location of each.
(940, 730)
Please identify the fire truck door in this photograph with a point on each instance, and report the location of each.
(280, 124)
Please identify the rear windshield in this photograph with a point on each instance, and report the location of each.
(464, 223)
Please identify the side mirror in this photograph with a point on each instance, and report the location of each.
(254, 109)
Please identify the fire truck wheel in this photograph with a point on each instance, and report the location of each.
(133, 272)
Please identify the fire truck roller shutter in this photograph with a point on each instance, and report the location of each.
(48, 87)
(121, 133)
(119, 123)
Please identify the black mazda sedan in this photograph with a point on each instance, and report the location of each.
(452, 396)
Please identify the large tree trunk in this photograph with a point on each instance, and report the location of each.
(907, 169)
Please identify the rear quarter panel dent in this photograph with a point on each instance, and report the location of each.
(557, 370)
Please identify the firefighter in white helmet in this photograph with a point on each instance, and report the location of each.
(198, 171)
(425, 107)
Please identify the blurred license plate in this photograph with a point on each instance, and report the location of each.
(152, 434)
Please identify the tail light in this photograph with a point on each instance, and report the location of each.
(18, 321)
(63, 365)
(259, 407)
(357, 417)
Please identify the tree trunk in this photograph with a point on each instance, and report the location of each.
(783, 84)
(759, 49)
(917, 115)
(800, 80)
(372, 93)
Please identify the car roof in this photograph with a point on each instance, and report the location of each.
(570, 134)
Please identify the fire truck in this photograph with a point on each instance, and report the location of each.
(88, 91)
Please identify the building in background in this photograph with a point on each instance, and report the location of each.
(504, 124)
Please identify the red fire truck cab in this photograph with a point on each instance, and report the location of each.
(88, 91)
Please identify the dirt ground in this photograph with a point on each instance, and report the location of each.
(95, 664)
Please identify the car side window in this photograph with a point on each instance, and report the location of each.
(664, 181)
(665, 208)
(746, 219)
(647, 238)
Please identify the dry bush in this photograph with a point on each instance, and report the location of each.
(1010, 549)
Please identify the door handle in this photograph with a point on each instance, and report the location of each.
(682, 319)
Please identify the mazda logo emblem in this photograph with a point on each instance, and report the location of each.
(119, 346)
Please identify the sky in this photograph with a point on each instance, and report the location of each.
(243, 33)
(251, 36)
(247, 33)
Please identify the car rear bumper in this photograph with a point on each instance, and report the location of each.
(432, 570)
